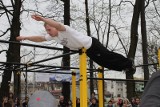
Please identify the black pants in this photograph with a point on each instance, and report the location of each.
(105, 58)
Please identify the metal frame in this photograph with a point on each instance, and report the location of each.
(49, 69)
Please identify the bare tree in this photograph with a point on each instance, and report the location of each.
(133, 45)
(12, 10)
(12, 13)
(153, 19)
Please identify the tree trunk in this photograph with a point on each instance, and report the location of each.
(89, 34)
(144, 42)
(13, 55)
(66, 59)
(133, 46)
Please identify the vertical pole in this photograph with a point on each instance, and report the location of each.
(26, 81)
(100, 87)
(34, 74)
(73, 89)
(66, 59)
(89, 34)
(83, 79)
(159, 58)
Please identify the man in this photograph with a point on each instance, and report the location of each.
(94, 102)
(6, 103)
(62, 102)
(151, 93)
(25, 103)
(75, 40)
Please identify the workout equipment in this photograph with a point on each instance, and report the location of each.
(83, 75)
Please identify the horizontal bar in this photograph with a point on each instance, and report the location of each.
(70, 53)
(33, 45)
(40, 65)
(6, 69)
(40, 68)
(146, 64)
(113, 79)
(64, 67)
(13, 63)
(45, 69)
(31, 64)
(34, 68)
(39, 71)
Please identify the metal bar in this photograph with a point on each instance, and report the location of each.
(147, 64)
(100, 88)
(13, 63)
(113, 79)
(2, 66)
(31, 45)
(35, 68)
(95, 70)
(51, 69)
(6, 69)
(73, 89)
(65, 67)
(31, 64)
(41, 68)
(40, 65)
(70, 53)
(83, 79)
(39, 71)
(45, 70)
(26, 82)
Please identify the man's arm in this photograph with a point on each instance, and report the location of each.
(31, 38)
(57, 25)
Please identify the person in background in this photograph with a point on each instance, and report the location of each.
(113, 102)
(62, 102)
(94, 102)
(17, 102)
(120, 102)
(137, 102)
(110, 104)
(6, 103)
(70, 103)
(126, 103)
(25, 103)
(77, 102)
(151, 93)
(133, 102)
(11, 96)
(93, 95)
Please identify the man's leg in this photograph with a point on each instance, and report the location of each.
(151, 94)
(111, 60)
